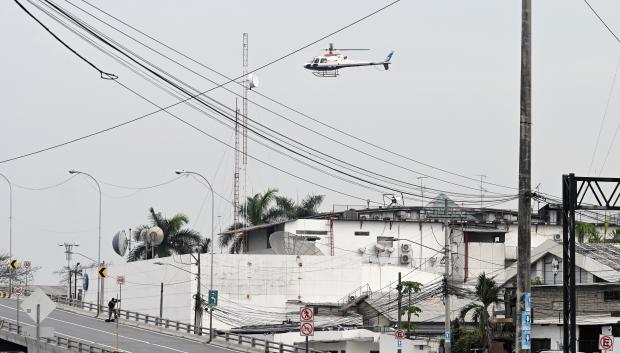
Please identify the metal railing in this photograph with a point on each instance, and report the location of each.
(364, 289)
(228, 337)
(59, 341)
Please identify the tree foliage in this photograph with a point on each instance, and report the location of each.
(267, 207)
(177, 238)
(18, 276)
(487, 293)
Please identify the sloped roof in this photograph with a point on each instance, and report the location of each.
(602, 259)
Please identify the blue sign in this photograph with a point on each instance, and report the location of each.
(448, 337)
(527, 298)
(213, 298)
(399, 343)
(85, 281)
(526, 339)
(526, 321)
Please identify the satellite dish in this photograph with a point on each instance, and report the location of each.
(120, 242)
(285, 243)
(252, 81)
(154, 236)
(379, 248)
(143, 235)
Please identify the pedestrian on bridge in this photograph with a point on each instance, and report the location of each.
(111, 310)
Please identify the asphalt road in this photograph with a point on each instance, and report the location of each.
(97, 331)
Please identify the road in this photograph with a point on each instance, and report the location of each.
(97, 331)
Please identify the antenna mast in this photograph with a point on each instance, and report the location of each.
(244, 115)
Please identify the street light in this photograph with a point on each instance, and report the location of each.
(185, 172)
(10, 227)
(73, 171)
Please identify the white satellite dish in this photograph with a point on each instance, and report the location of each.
(120, 242)
(154, 236)
(285, 243)
(253, 81)
(143, 235)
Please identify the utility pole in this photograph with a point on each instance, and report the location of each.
(525, 144)
(421, 178)
(68, 253)
(198, 306)
(448, 333)
(400, 296)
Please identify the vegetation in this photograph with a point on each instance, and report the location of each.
(487, 293)
(588, 231)
(18, 276)
(409, 288)
(264, 208)
(177, 238)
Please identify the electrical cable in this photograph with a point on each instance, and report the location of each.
(103, 74)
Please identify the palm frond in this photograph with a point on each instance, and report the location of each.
(136, 253)
(309, 205)
(467, 308)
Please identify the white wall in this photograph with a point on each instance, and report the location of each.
(552, 332)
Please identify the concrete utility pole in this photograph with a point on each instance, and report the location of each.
(448, 333)
(525, 144)
(198, 307)
(400, 296)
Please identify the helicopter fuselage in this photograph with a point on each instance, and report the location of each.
(334, 61)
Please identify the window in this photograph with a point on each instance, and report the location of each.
(323, 60)
(361, 234)
(316, 61)
(611, 295)
(311, 232)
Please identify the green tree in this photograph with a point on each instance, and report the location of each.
(588, 231)
(615, 236)
(257, 210)
(287, 209)
(487, 293)
(409, 288)
(177, 239)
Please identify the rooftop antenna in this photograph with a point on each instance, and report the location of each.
(244, 115)
(236, 170)
(482, 176)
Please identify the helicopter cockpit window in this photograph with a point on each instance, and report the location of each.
(323, 60)
(316, 61)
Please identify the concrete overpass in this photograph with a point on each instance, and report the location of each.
(77, 330)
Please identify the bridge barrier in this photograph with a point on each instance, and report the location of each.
(65, 343)
(227, 337)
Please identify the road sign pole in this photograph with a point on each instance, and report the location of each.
(38, 321)
(17, 313)
(306, 344)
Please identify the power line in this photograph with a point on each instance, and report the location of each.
(270, 99)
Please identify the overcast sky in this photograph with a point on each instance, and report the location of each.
(450, 99)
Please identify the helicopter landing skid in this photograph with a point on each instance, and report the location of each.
(333, 73)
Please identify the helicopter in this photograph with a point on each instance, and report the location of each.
(329, 64)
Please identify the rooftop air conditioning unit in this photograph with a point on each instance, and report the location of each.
(405, 259)
(405, 247)
(557, 237)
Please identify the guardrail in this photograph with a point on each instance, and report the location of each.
(356, 293)
(62, 342)
(228, 337)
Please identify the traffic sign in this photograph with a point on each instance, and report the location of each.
(606, 342)
(120, 280)
(103, 272)
(14, 264)
(18, 291)
(306, 329)
(46, 305)
(213, 297)
(399, 334)
(399, 343)
(26, 265)
(5, 295)
(306, 314)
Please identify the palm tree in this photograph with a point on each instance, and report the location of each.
(487, 292)
(256, 210)
(587, 230)
(289, 209)
(177, 240)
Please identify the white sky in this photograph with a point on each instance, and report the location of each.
(450, 99)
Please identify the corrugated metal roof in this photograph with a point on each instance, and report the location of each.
(607, 254)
